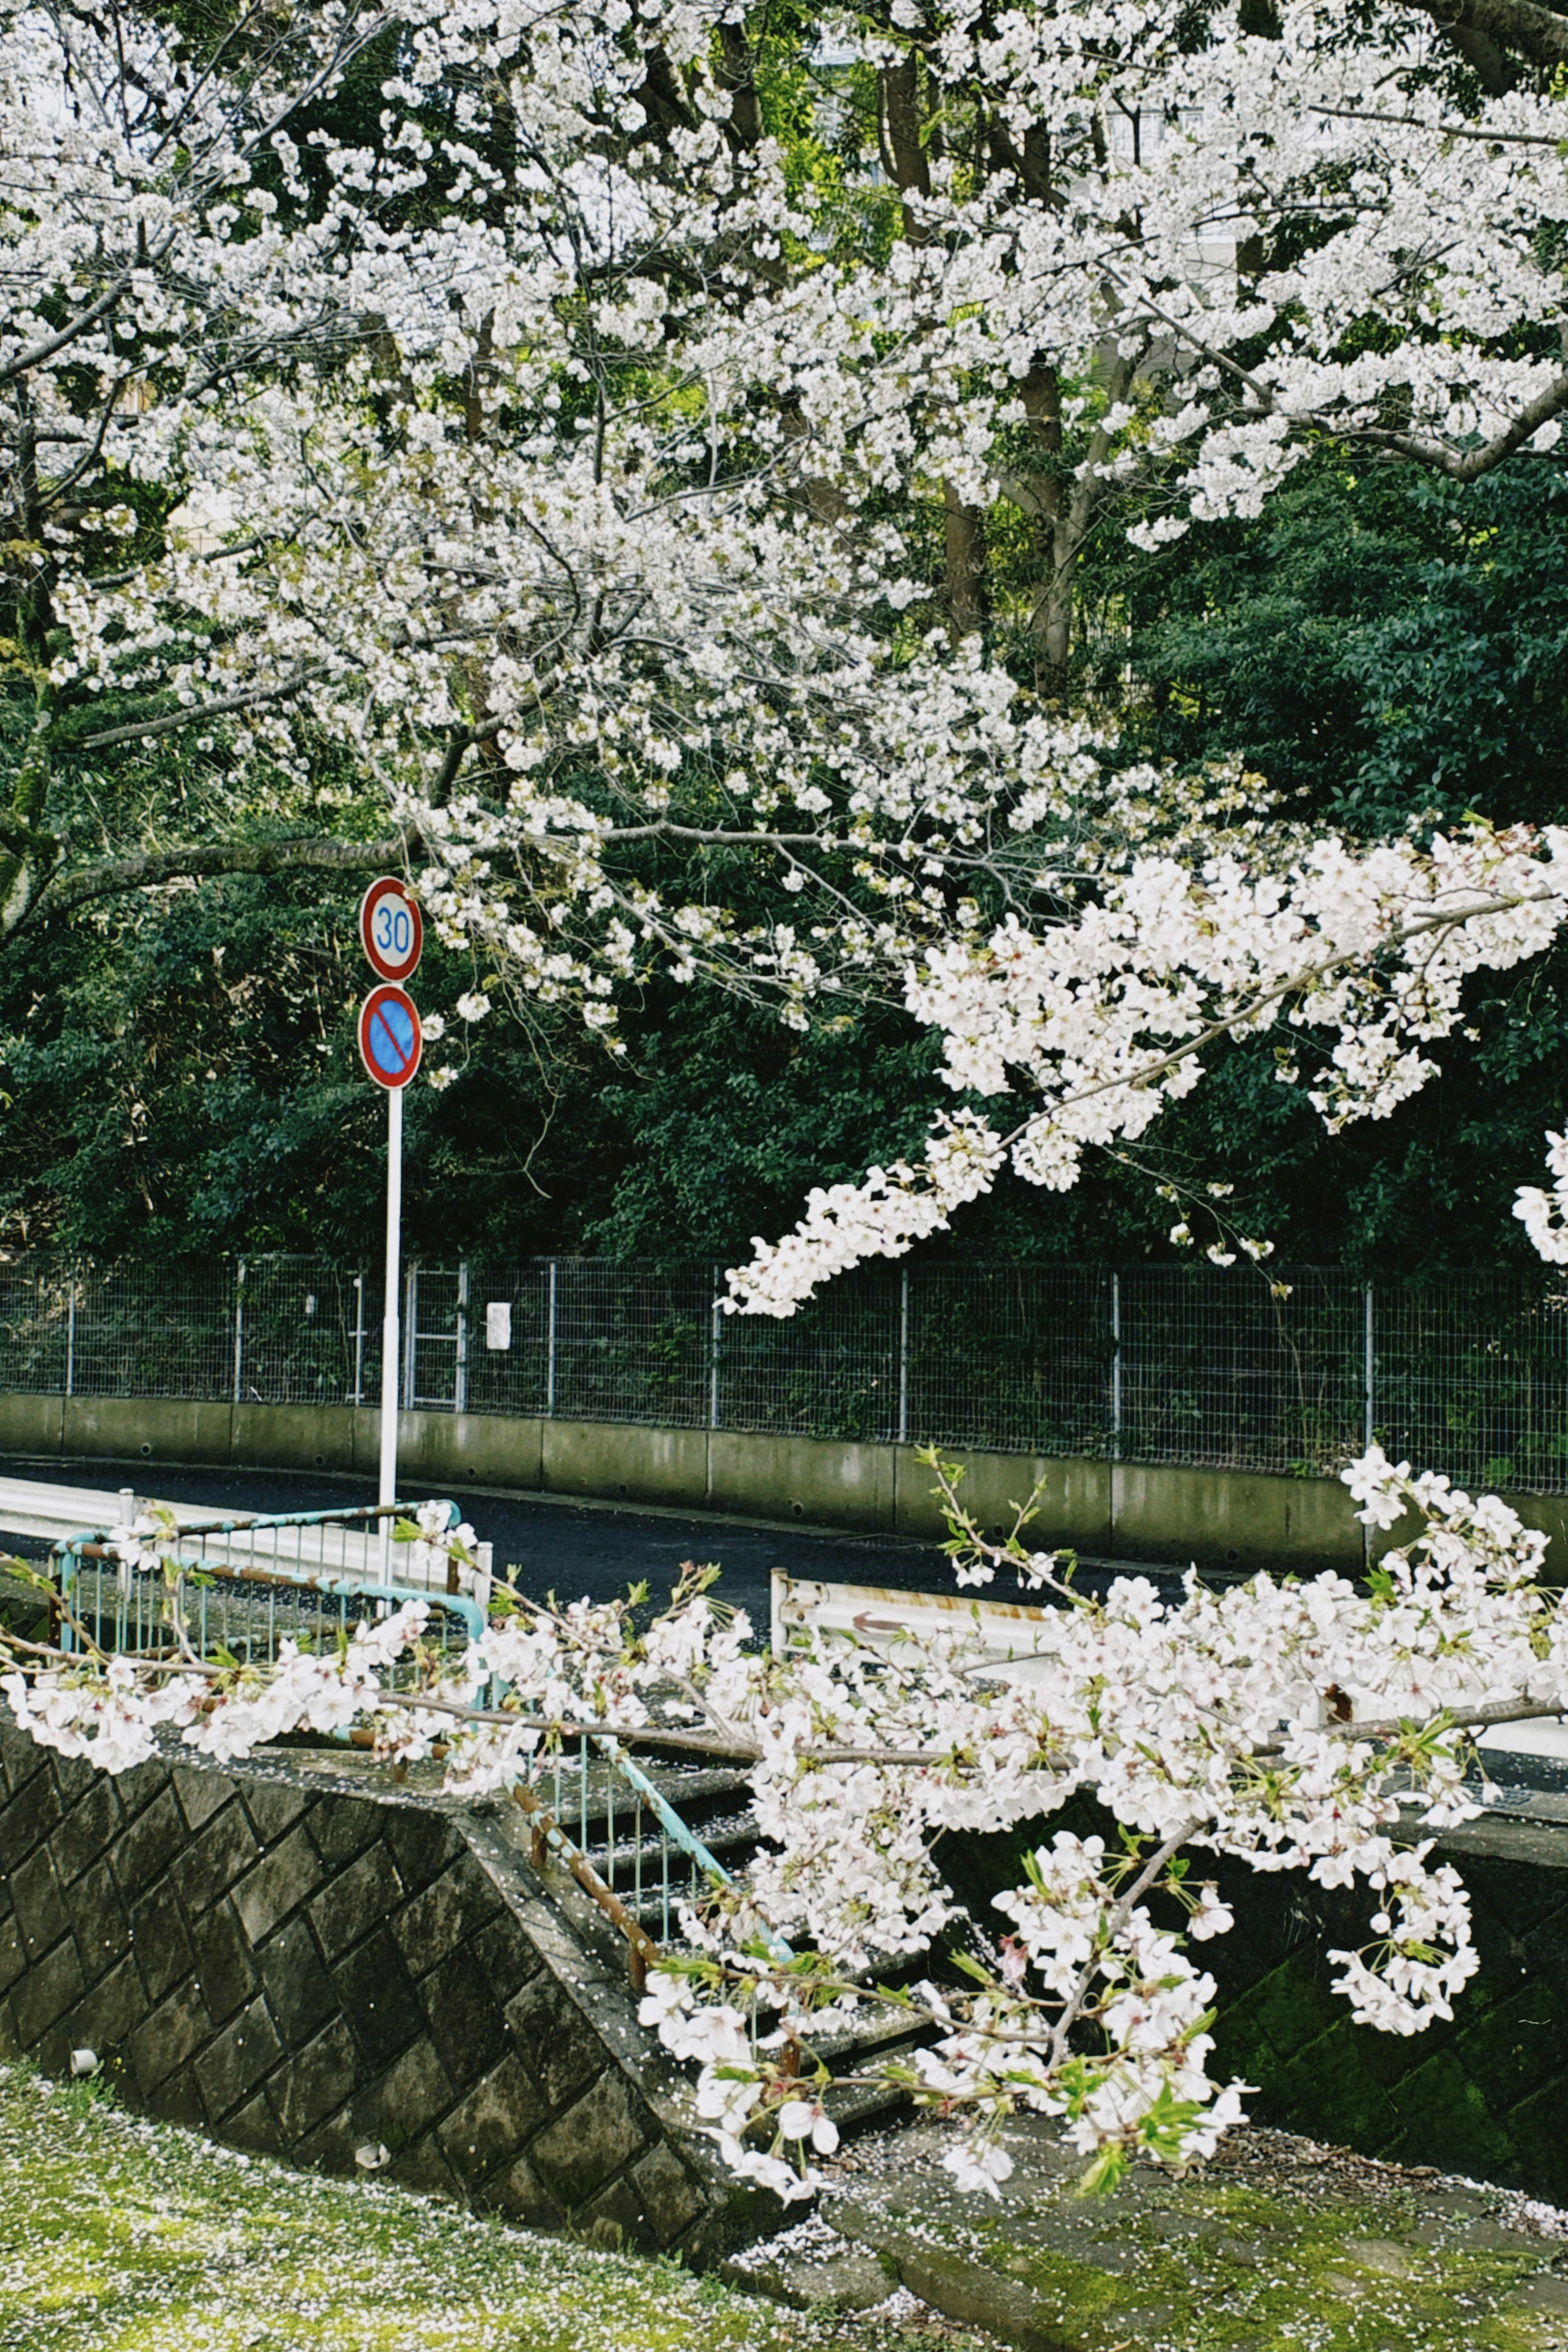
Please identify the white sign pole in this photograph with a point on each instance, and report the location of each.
(391, 935)
(391, 1350)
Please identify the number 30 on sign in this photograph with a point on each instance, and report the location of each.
(390, 929)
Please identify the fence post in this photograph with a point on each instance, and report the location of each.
(1116, 1367)
(904, 1356)
(359, 1337)
(550, 1345)
(1369, 1395)
(70, 1334)
(410, 1334)
(716, 1322)
(460, 1372)
(239, 1332)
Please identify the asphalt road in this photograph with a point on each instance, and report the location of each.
(569, 1549)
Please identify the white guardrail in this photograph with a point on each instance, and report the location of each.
(880, 1617)
(303, 1543)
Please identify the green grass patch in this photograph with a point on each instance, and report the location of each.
(122, 2235)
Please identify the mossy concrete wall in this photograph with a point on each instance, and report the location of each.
(297, 1967)
(1485, 2094)
(1109, 1510)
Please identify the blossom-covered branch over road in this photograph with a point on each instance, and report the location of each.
(1314, 1725)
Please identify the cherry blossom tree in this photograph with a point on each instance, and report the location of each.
(1317, 1725)
(529, 412)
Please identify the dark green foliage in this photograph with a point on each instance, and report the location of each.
(724, 1119)
(186, 1077)
(1380, 644)
(1382, 648)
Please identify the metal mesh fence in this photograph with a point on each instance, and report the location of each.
(1466, 1373)
(1012, 1358)
(1474, 1369)
(116, 1330)
(837, 1369)
(506, 1366)
(1218, 1368)
(35, 1351)
(626, 1343)
(307, 1332)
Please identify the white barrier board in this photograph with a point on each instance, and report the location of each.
(879, 1617)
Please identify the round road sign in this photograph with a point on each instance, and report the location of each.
(389, 1041)
(390, 930)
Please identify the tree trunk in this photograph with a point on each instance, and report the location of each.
(825, 499)
(744, 127)
(963, 526)
(968, 596)
(1050, 617)
(901, 112)
(28, 854)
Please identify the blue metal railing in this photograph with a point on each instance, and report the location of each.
(236, 1589)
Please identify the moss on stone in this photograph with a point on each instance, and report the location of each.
(119, 2235)
(1211, 2263)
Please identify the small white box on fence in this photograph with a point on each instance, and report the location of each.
(498, 1323)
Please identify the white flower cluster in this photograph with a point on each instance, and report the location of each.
(1101, 1018)
(111, 1712)
(1316, 1725)
(1544, 1215)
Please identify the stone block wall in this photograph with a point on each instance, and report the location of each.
(1485, 2094)
(302, 1969)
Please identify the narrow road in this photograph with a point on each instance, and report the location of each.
(570, 1548)
(588, 1548)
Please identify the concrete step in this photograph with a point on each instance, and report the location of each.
(1278, 2242)
(856, 2107)
(731, 1839)
(878, 2033)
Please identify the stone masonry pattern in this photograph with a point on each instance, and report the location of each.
(1483, 2093)
(304, 1972)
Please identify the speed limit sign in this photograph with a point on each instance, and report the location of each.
(390, 929)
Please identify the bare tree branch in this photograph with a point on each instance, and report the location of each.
(173, 722)
(68, 334)
(144, 869)
(1470, 465)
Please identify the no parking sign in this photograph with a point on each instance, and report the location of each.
(390, 1041)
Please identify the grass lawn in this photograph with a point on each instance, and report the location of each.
(121, 2235)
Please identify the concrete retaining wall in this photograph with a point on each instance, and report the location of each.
(1483, 2091)
(1121, 1510)
(297, 1967)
